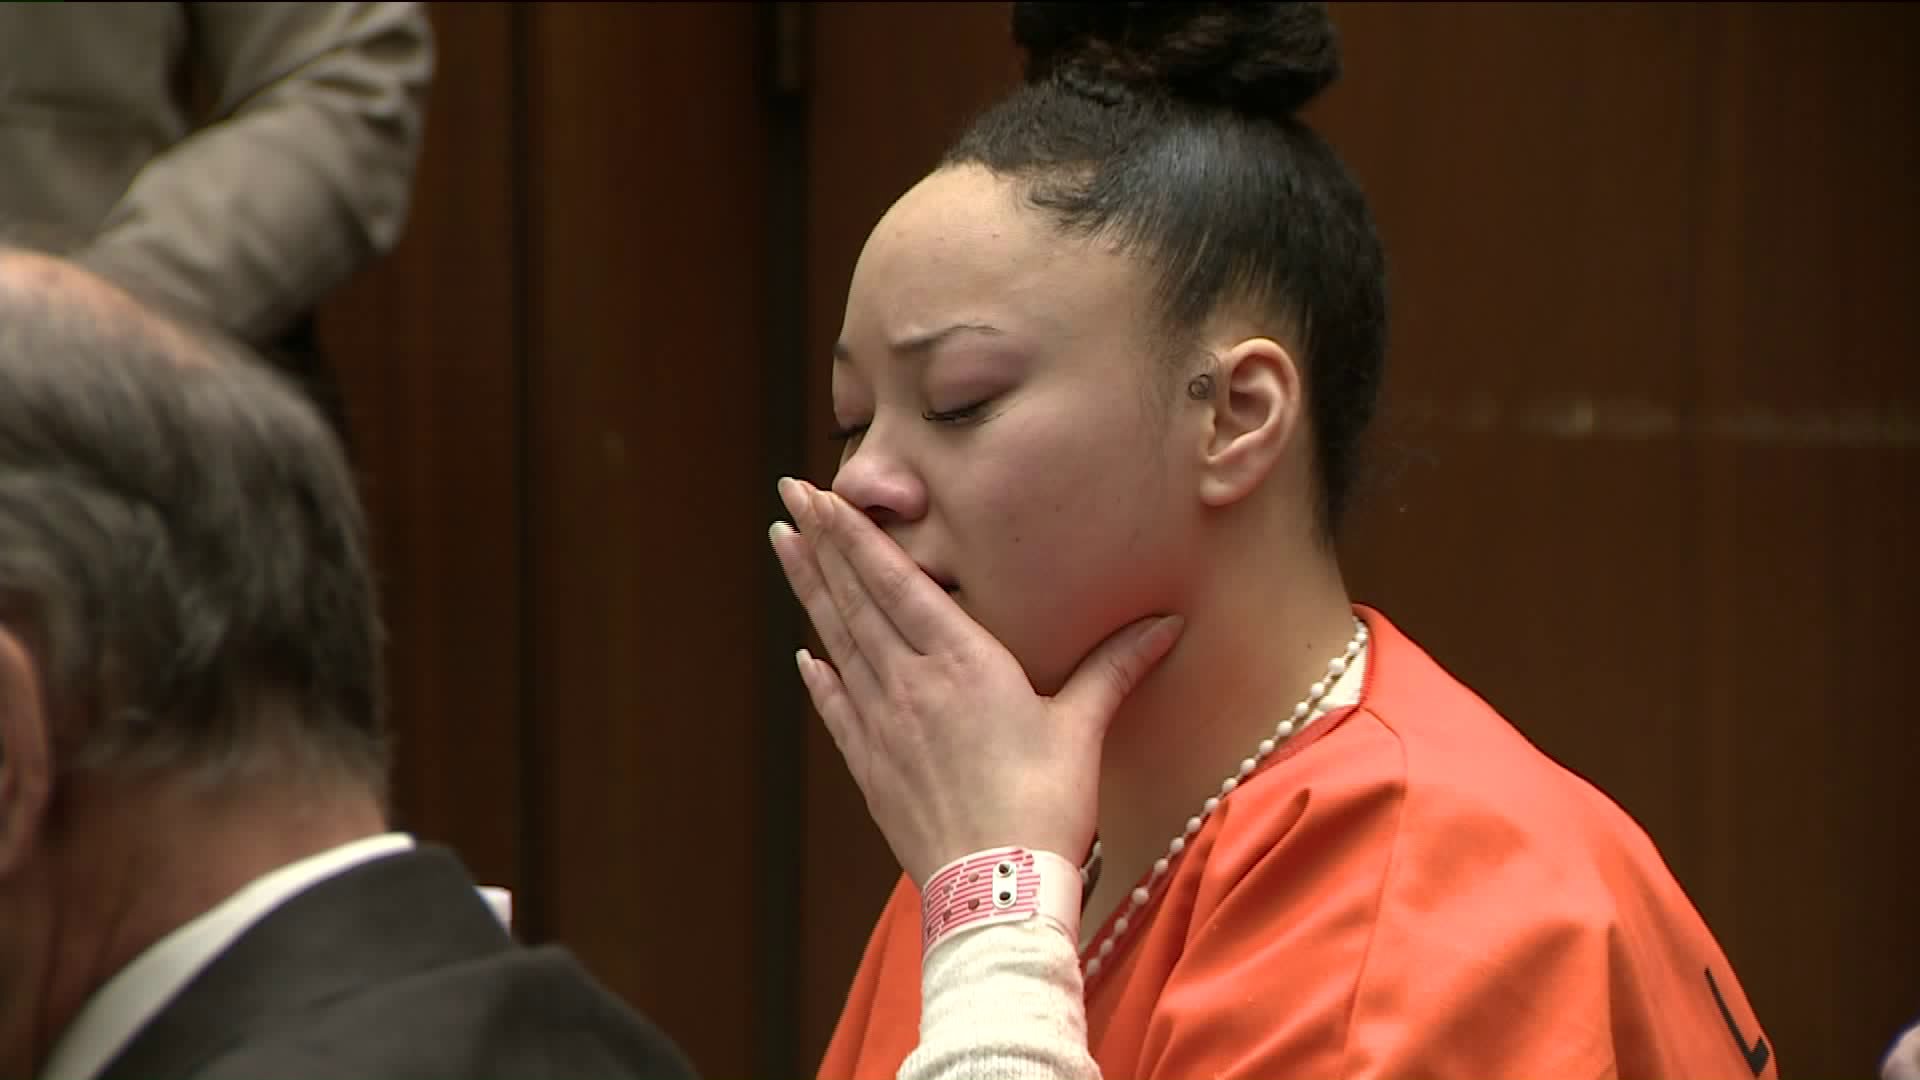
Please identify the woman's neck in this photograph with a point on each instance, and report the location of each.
(1247, 656)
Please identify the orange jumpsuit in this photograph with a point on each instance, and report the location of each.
(1409, 889)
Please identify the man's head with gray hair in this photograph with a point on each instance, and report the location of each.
(190, 682)
(181, 544)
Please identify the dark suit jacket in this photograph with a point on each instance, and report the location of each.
(394, 970)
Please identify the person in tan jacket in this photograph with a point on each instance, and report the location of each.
(234, 162)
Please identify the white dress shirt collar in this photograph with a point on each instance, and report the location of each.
(119, 1009)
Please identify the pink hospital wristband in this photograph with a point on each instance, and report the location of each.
(999, 885)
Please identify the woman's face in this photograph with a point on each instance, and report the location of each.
(1007, 421)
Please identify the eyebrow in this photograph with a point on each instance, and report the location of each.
(923, 343)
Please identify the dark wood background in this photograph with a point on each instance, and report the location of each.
(1646, 475)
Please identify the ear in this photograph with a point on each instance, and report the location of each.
(1256, 405)
(26, 754)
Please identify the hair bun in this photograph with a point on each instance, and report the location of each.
(1265, 59)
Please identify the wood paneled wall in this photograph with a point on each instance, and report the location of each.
(555, 391)
(645, 163)
(1650, 456)
(427, 346)
(1645, 476)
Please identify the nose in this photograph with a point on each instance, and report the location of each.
(881, 482)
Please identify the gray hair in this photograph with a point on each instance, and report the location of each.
(182, 549)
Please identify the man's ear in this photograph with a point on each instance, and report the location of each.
(26, 753)
(1257, 401)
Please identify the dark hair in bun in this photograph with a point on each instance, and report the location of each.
(1172, 130)
(1264, 59)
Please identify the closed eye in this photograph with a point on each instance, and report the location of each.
(960, 415)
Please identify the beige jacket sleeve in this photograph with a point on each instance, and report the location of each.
(302, 174)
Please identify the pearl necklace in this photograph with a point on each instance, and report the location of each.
(1303, 714)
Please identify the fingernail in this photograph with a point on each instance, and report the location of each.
(790, 494)
(779, 531)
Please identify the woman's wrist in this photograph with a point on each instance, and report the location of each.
(996, 886)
